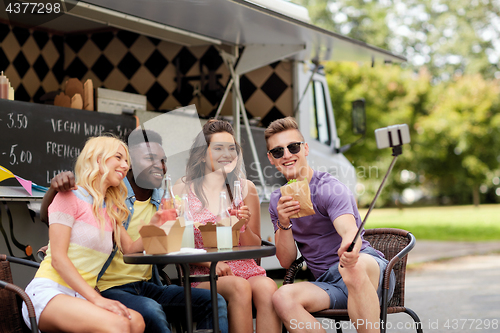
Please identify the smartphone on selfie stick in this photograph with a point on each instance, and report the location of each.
(393, 136)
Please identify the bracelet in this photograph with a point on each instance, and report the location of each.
(285, 228)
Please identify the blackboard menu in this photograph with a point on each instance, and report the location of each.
(38, 141)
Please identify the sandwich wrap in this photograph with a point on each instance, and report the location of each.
(300, 192)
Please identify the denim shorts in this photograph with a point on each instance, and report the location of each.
(41, 291)
(331, 281)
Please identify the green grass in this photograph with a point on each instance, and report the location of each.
(454, 223)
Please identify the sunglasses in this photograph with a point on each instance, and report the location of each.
(293, 148)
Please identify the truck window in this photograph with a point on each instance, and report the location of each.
(319, 120)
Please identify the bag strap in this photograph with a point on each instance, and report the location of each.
(112, 255)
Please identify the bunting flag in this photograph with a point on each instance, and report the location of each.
(25, 183)
(6, 174)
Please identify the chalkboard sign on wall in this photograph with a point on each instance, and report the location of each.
(38, 141)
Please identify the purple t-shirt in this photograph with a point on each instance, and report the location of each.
(316, 237)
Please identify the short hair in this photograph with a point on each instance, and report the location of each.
(141, 135)
(281, 125)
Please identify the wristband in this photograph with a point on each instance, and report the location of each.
(285, 228)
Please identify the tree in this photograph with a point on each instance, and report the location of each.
(451, 105)
(393, 96)
(454, 128)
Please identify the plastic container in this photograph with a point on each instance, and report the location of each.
(188, 236)
(224, 233)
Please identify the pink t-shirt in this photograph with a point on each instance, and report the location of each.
(89, 245)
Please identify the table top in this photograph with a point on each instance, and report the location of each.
(18, 193)
(212, 254)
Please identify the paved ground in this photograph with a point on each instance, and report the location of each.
(453, 287)
(427, 251)
(456, 295)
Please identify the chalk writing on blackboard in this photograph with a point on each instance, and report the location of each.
(39, 141)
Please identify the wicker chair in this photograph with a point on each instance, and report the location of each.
(10, 316)
(395, 245)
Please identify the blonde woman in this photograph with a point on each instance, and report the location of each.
(83, 224)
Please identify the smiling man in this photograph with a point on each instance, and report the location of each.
(344, 279)
(132, 284)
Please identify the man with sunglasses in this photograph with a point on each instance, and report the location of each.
(322, 239)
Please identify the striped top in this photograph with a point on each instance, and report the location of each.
(89, 247)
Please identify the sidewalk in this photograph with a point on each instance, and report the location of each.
(460, 295)
(427, 251)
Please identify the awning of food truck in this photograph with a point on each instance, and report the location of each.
(271, 33)
(264, 34)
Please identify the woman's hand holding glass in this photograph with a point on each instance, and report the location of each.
(242, 213)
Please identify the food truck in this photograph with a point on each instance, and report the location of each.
(249, 62)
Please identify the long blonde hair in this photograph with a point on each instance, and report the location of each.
(195, 168)
(88, 175)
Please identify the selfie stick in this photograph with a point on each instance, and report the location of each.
(393, 136)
